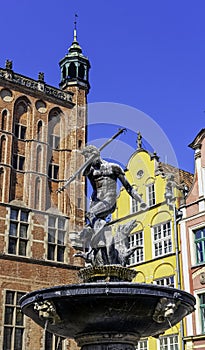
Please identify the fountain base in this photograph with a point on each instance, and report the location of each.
(107, 314)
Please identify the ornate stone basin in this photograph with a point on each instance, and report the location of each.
(104, 312)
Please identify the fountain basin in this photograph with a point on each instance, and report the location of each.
(90, 312)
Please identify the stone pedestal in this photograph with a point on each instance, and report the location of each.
(107, 341)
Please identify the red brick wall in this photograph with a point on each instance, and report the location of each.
(34, 272)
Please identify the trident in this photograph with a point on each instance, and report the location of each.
(89, 161)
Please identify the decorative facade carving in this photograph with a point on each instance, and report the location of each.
(36, 85)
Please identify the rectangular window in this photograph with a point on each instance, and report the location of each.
(202, 311)
(18, 162)
(20, 131)
(165, 281)
(169, 343)
(151, 195)
(134, 206)
(13, 322)
(53, 171)
(54, 141)
(136, 240)
(56, 239)
(18, 232)
(142, 345)
(162, 239)
(53, 342)
(199, 240)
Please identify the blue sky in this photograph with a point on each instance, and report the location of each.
(147, 55)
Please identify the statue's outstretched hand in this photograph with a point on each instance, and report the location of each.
(138, 198)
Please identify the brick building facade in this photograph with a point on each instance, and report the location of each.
(42, 130)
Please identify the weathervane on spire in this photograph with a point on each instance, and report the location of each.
(75, 22)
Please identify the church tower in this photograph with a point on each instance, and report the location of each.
(75, 68)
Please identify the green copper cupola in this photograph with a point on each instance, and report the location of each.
(74, 66)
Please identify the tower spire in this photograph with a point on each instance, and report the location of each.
(74, 65)
(75, 47)
(75, 28)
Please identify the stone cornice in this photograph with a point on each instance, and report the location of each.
(36, 86)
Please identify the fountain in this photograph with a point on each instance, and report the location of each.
(106, 310)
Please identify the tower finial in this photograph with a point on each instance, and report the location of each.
(139, 140)
(75, 28)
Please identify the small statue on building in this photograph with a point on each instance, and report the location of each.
(41, 76)
(9, 65)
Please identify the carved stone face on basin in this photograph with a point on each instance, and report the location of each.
(74, 311)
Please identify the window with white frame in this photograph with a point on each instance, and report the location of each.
(199, 240)
(56, 239)
(14, 323)
(151, 194)
(136, 241)
(202, 311)
(142, 344)
(53, 342)
(162, 239)
(20, 131)
(169, 343)
(54, 141)
(134, 205)
(18, 162)
(18, 232)
(165, 281)
(53, 170)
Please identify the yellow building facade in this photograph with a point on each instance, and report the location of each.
(157, 254)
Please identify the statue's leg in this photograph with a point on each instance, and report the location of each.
(98, 239)
(97, 215)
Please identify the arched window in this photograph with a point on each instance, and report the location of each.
(54, 128)
(81, 71)
(40, 131)
(64, 72)
(2, 149)
(38, 159)
(20, 119)
(37, 193)
(4, 120)
(72, 70)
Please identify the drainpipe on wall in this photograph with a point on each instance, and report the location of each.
(177, 218)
